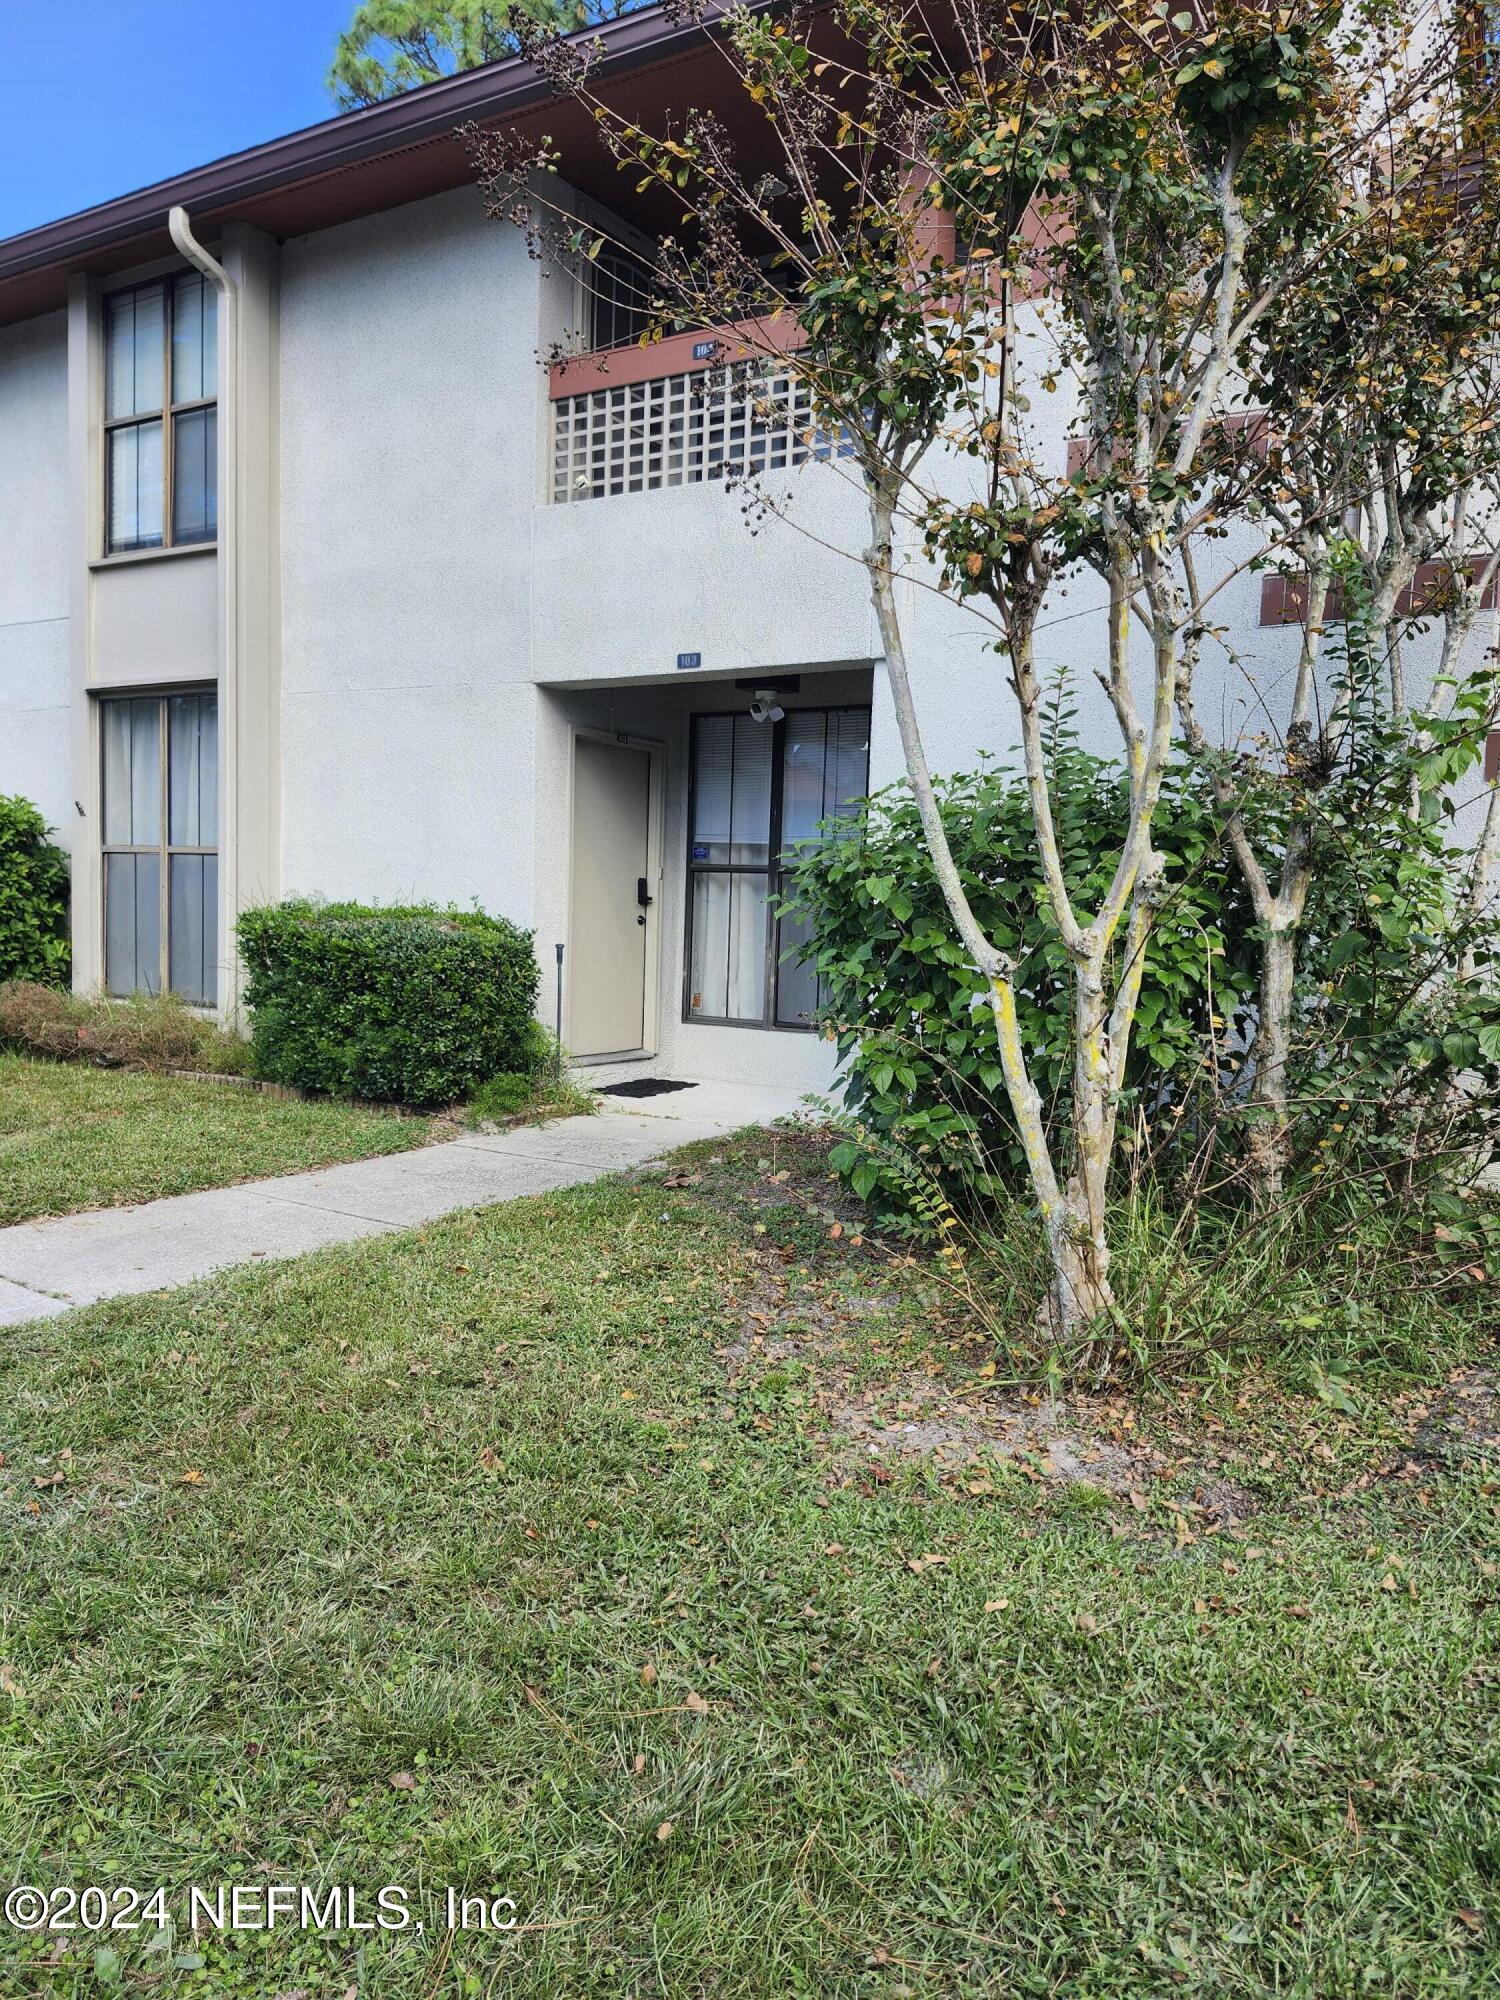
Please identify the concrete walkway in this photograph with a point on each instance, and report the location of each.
(72, 1260)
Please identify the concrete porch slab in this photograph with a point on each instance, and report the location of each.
(725, 1107)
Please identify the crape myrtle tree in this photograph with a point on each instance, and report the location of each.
(1149, 185)
(1378, 388)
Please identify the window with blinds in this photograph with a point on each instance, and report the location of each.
(161, 369)
(759, 788)
(161, 838)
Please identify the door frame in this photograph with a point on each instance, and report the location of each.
(656, 751)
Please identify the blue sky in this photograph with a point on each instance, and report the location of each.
(119, 93)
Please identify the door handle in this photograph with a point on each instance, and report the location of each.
(640, 892)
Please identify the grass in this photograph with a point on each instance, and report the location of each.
(528, 1099)
(73, 1136)
(538, 1552)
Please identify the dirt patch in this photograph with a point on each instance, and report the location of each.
(1448, 1428)
(868, 1351)
(889, 1377)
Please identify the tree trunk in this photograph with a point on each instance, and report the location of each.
(1079, 1294)
(1271, 1125)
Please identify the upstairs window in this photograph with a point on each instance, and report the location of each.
(161, 371)
(619, 290)
(758, 788)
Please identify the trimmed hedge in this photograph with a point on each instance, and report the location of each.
(409, 1006)
(33, 898)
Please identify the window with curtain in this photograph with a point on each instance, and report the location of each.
(161, 838)
(161, 372)
(758, 789)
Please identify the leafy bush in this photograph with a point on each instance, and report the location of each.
(1394, 1077)
(1395, 1049)
(912, 1015)
(410, 1006)
(33, 897)
(146, 1031)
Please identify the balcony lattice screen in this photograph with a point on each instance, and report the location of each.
(680, 430)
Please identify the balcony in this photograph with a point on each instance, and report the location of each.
(681, 411)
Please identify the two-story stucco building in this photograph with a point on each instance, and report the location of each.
(316, 578)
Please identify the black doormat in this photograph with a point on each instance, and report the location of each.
(644, 1086)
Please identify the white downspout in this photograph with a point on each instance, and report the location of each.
(180, 229)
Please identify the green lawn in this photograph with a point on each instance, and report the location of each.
(544, 1551)
(73, 1136)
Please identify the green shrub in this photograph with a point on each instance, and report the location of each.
(33, 898)
(146, 1031)
(407, 1006)
(911, 1014)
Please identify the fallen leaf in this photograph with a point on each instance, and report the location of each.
(648, 1675)
(9, 1684)
(997, 1604)
(695, 1703)
(665, 1830)
(403, 1781)
(638, 1764)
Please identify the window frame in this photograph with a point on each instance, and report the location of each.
(166, 416)
(165, 849)
(771, 871)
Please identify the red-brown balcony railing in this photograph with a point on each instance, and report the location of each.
(682, 410)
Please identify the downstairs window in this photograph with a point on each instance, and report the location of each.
(161, 841)
(758, 788)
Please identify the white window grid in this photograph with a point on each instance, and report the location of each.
(679, 430)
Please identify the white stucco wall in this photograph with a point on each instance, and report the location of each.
(34, 659)
(626, 583)
(411, 408)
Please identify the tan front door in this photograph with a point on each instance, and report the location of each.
(611, 928)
